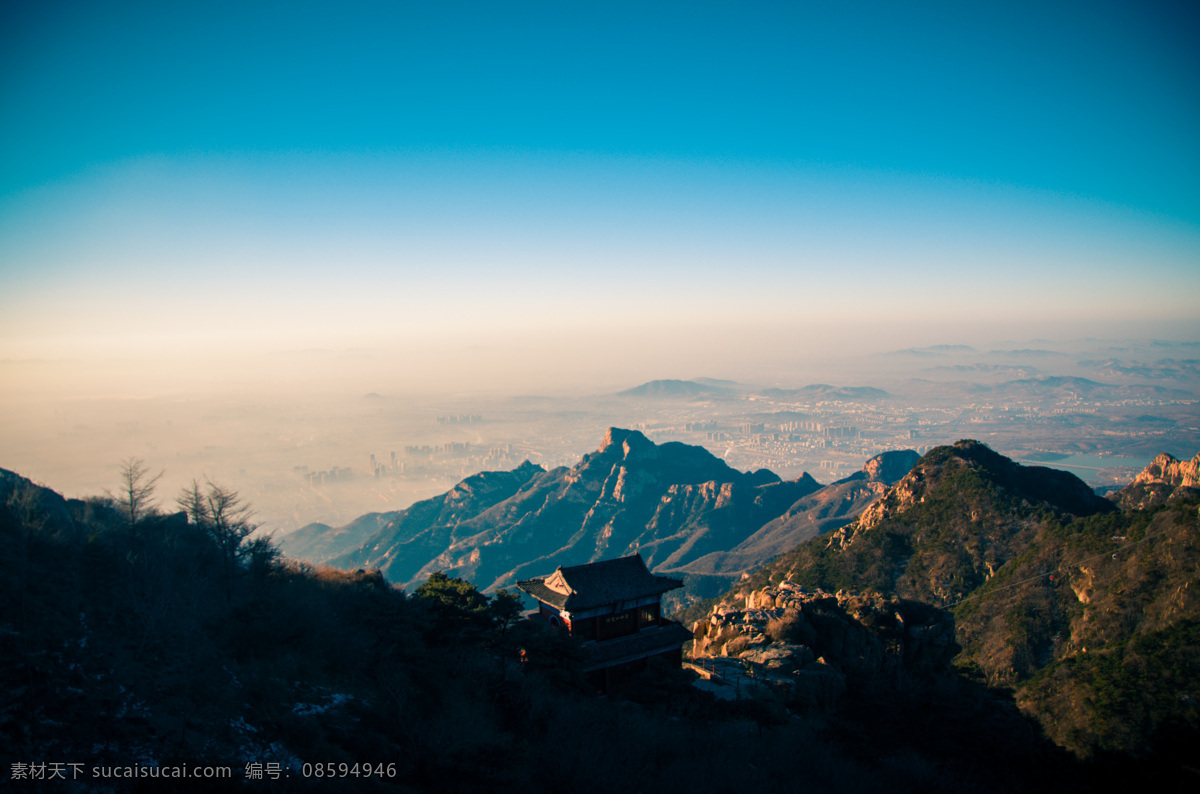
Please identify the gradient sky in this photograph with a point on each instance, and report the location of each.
(231, 177)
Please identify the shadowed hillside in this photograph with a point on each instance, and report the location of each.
(125, 644)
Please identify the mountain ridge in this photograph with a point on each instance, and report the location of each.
(678, 505)
(681, 389)
(606, 505)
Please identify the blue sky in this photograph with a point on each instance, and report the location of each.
(266, 175)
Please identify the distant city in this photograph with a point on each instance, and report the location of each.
(1104, 437)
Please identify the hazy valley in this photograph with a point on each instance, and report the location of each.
(314, 453)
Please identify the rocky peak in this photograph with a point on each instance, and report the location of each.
(1058, 490)
(890, 467)
(1168, 470)
(625, 440)
(1165, 479)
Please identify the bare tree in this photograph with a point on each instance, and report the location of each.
(225, 518)
(191, 499)
(136, 493)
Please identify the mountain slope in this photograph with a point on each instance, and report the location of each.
(948, 525)
(124, 647)
(415, 526)
(1088, 612)
(405, 539)
(821, 511)
(319, 542)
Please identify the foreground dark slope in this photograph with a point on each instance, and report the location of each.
(122, 647)
(1088, 612)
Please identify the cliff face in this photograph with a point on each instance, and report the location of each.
(1165, 479)
(889, 467)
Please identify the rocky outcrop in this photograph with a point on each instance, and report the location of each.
(1164, 480)
(814, 645)
(890, 467)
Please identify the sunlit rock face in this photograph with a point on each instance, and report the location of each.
(813, 646)
(1165, 479)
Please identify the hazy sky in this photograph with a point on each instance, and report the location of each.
(533, 180)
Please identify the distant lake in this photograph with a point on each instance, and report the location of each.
(1093, 469)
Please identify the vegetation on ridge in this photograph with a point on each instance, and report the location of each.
(1086, 614)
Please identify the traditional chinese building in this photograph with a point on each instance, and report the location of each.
(614, 608)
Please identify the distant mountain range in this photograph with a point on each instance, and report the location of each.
(681, 389)
(708, 388)
(1026, 384)
(1048, 386)
(683, 509)
(931, 351)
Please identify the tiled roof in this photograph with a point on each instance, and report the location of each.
(598, 584)
(646, 642)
